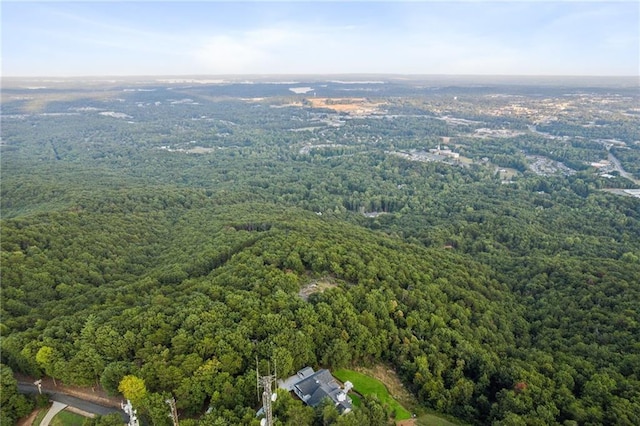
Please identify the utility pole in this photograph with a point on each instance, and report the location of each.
(174, 413)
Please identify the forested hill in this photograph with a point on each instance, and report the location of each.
(174, 248)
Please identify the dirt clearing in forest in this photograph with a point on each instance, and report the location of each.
(316, 286)
(357, 106)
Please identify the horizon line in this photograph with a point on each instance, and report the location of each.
(317, 75)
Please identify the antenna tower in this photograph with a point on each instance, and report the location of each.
(133, 414)
(174, 413)
(265, 382)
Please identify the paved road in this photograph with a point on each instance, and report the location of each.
(623, 172)
(88, 406)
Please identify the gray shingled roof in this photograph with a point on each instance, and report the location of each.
(319, 385)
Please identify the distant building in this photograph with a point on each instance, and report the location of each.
(633, 192)
(444, 152)
(313, 387)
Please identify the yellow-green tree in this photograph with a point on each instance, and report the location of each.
(133, 388)
(51, 361)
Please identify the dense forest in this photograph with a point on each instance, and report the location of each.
(481, 241)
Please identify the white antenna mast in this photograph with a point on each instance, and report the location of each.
(174, 413)
(265, 382)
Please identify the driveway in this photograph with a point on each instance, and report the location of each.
(55, 409)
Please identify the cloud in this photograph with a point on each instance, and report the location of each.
(434, 37)
(437, 47)
(286, 48)
(228, 55)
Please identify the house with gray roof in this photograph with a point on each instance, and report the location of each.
(312, 387)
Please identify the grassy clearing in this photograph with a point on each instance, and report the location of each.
(393, 384)
(433, 420)
(357, 402)
(366, 386)
(67, 418)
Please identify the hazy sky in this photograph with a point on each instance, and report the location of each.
(292, 37)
